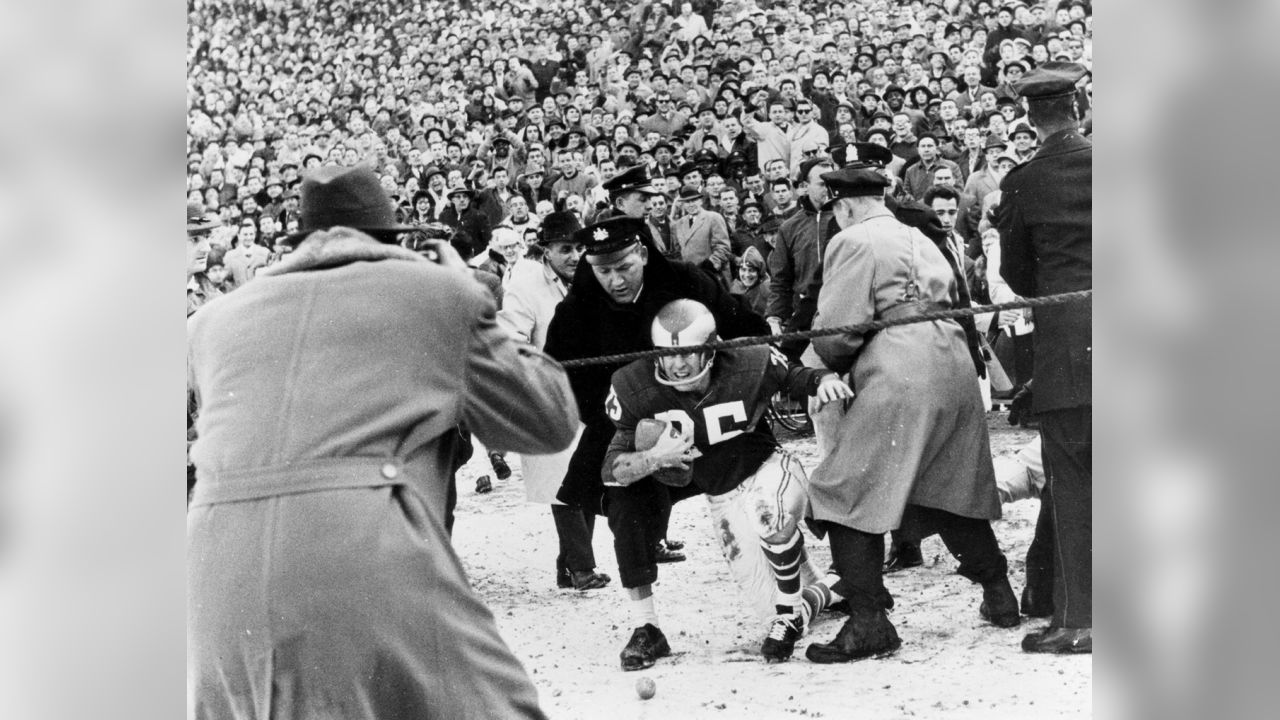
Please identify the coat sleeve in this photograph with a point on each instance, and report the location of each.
(517, 317)
(781, 279)
(516, 397)
(1017, 261)
(798, 381)
(566, 341)
(720, 248)
(848, 300)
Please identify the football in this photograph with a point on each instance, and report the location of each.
(648, 431)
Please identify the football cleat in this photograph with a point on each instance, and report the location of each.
(780, 643)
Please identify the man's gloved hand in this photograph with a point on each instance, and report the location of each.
(1020, 406)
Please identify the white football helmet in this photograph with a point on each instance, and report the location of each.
(683, 323)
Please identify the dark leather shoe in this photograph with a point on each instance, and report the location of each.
(999, 605)
(646, 645)
(484, 485)
(867, 633)
(564, 580)
(500, 467)
(664, 554)
(589, 579)
(902, 556)
(674, 544)
(1060, 641)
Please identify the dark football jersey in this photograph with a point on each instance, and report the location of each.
(729, 426)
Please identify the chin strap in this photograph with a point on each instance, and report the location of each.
(685, 383)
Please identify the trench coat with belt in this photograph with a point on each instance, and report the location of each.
(321, 581)
(916, 431)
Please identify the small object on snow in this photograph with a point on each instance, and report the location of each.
(484, 485)
(645, 688)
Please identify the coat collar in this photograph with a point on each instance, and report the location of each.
(337, 246)
(1063, 141)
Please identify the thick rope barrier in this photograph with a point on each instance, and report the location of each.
(858, 329)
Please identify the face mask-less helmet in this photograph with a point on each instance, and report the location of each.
(683, 323)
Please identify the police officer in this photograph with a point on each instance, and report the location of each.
(1046, 243)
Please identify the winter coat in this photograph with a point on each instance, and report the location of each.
(321, 580)
(1045, 219)
(916, 431)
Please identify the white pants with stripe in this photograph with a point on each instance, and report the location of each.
(769, 504)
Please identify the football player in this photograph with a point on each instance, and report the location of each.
(715, 436)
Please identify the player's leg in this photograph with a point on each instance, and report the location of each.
(739, 544)
(776, 498)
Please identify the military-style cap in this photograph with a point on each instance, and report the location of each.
(1050, 80)
(860, 180)
(704, 157)
(807, 166)
(635, 179)
(611, 240)
(687, 168)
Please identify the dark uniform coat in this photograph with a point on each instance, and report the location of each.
(1046, 247)
(321, 581)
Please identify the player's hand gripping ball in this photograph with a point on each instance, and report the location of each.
(645, 688)
(648, 432)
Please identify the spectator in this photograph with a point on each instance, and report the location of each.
(752, 282)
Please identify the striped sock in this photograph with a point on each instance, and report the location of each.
(819, 597)
(785, 559)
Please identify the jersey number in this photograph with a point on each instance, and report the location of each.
(611, 406)
(712, 416)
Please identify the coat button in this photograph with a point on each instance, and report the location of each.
(390, 471)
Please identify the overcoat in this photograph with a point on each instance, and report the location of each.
(528, 305)
(1045, 219)
(916, 431)
(703, 238)
(321, 581)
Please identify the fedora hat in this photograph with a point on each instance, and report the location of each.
(350, 197)
(199, 220)
(558, 227)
